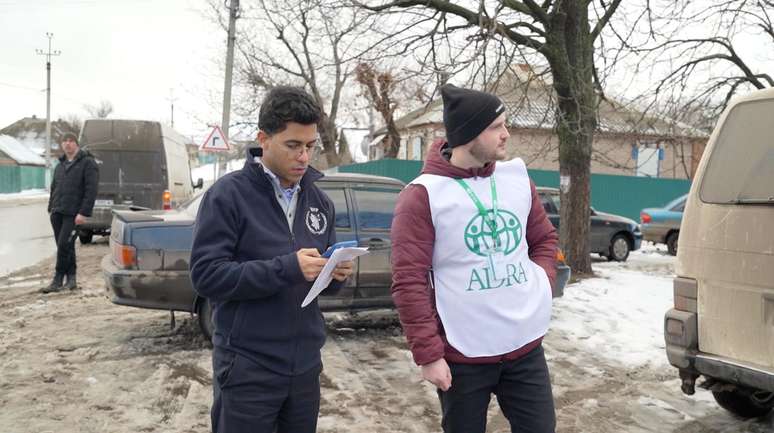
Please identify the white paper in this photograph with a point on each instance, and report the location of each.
(326, 275)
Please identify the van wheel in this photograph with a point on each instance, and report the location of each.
(671, 242)
(204, 315)
(619, 248)
(85, 237)
(740, 403)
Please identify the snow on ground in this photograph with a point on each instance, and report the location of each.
(206, 171)
(619, 314)
(63, 369)
(26, 194)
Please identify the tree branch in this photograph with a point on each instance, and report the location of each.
(471, 17)
(605, 19)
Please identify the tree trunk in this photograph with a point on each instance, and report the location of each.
(571, 59)
(328, 136)
(392, 139)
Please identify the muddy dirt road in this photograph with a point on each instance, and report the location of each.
(74, 362)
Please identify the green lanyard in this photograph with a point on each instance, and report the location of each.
(491, 220)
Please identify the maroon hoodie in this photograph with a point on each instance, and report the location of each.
(413, 237)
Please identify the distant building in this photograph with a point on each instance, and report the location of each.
(20, 167)
(626, 142)
(31, 133)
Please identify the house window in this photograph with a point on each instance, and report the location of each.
(416, 148)
(647, 157)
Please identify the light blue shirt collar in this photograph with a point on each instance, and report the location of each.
(287, 193)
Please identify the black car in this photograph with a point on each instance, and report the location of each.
(150, 251)
(612, 236)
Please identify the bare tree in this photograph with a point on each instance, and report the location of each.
(309, 43)
(101, 110)
(74, 122)
(379, 87)
(697, 56)
(562, 33)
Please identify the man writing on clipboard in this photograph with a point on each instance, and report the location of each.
(257, 249)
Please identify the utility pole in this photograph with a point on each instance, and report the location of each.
(232, 17)
(172, 100)
(48, 55)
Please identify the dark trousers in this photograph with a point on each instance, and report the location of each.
(64, 235)
(249, 398)
(522, 387)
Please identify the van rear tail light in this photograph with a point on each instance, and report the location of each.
(645, 218)
(166, 200)
(685, 294)
(124, 256)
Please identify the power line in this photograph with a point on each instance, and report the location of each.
(21, 87)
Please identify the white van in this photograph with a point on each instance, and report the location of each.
(722, 323)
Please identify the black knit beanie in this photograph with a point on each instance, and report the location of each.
(467, 112)
(70, 136)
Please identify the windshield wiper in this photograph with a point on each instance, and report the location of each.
(769, 200)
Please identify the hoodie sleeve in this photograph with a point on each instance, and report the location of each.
(335, 285)
(90, 185)
(413, 237)
(53, 190)
(214, 272)
(541, 237)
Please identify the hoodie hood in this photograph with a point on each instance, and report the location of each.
(438, 163)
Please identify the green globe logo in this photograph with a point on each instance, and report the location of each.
(480, 233)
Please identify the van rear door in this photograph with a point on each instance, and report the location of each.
(131, 161)
(728, 236)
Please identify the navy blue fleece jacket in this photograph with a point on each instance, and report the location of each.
(243, 259)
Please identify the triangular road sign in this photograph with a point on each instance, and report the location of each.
(216, 142)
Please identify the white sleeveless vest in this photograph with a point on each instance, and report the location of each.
(483, 316)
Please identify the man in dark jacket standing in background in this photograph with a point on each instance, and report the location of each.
(73, 191)
(473, 258)
(257, 247)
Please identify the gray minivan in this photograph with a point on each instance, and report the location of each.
(722, 323)
(142, 165)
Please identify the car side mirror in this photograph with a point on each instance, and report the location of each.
(199, 183)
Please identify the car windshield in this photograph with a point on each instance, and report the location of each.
(191, 207)
(677, 204)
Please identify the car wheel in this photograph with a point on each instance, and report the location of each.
(85, 237)
(671, 242)
(619, 248)
(204, 315)
(740, 403)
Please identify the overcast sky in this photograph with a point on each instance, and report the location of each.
(131, 53)
(135, 54)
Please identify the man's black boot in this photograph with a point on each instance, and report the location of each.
(56, 284)
(71, 284)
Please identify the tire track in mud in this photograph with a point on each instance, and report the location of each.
(76, 362)
(73, 361)
(370, 383)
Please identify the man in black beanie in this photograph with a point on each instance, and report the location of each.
(473, 260)
(73, 191)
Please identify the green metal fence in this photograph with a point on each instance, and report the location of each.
(16, 178)
(621, 195)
